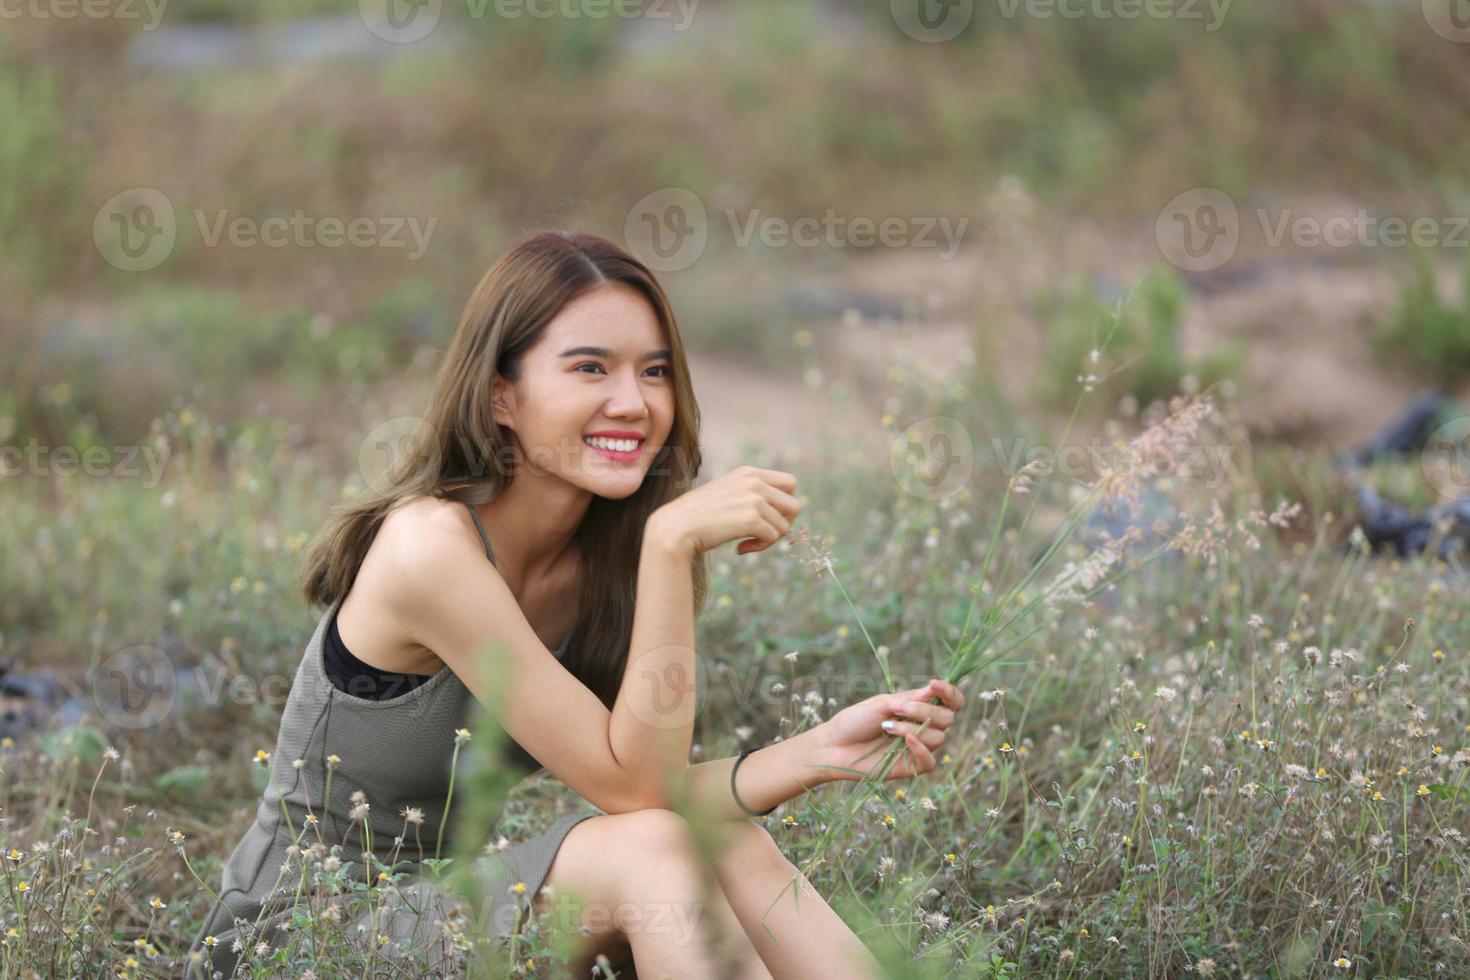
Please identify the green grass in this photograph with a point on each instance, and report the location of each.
(1427, 330)
(1145, 820)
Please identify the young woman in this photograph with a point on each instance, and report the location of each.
(548, 505)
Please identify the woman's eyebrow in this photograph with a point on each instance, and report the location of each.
(663, 353)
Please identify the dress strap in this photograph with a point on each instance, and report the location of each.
(479, 526)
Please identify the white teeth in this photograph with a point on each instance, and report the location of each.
(617, 445)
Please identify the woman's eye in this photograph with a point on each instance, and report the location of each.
(657, 367)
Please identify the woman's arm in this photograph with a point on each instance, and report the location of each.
(652, 724)
(778, 772)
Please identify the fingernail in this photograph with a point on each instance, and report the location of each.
(889, 724)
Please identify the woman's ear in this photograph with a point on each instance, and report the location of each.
(502, 396)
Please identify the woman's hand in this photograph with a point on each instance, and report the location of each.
(756, 504)
(855, 738)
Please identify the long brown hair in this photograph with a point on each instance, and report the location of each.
(451, 453)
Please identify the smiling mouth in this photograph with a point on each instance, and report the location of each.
(623, 450)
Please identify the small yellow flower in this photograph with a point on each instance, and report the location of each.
(1083, 933)
(1422, 790)
(1135, 755)
(1006, 747)
(210, 940)
(519, 888)
(23, 886)
(944, 758)
(261, 755)
(887, 819)
(1245, 736)
(1343, 963)
(1377, 795)
(383, 876)
(461, 735)
(1437, 750)
(156, 902)
(723, 602)
(789, 820)
(1138, 726)
(899, 794)
(382, 939)
(311, 819)
(333, 759)
(951, 858)
(14, 855)
(7, 742)
(1127, 841)
(1403, 770)
(1321, 773)
(1438, 655)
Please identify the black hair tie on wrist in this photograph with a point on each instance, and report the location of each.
(736, 768)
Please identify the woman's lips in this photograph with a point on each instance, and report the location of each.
(615, 455)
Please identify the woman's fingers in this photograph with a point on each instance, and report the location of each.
(920, 756)
(931, 736)
(939, 715)
(947, 693)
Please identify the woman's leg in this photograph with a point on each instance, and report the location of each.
(644, 897)
(805, 938)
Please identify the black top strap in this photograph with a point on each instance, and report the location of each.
(479, 526)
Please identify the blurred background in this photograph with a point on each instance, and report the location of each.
(236, 238)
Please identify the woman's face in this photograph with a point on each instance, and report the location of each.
(602, 365)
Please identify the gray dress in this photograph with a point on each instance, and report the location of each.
(397, 752)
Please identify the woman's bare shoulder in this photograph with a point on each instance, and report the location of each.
(427, 536)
